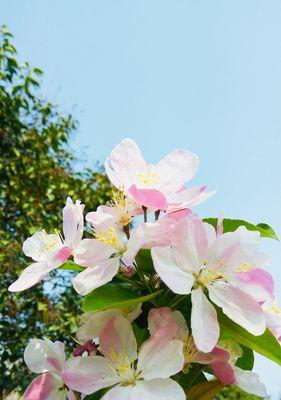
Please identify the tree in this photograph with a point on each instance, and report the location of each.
(37, 173)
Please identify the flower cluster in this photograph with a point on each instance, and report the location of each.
(191, 275)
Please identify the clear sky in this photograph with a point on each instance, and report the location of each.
(202, 74)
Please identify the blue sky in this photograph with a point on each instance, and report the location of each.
(202, 74)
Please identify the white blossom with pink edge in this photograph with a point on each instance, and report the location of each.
(47, 359)
(134, 375)
(157, 187)
(49, 251)
(202, 262)
(94, 322)
(221, 359)
(111, 246)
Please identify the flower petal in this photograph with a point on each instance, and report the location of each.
(240, 307)
(157, 389)
(204, 323)
(124, 164)
(175, 169)
(119, 393)
(188, 198)
(178, 280)
(88, 374)
(73, 222)
(150, 198)
(43, 355)
(257, 282)
(32, 275)
(118, 337)
(161, 357)
(94, 277)
(250, 382)
(45, 387)
(91, 252)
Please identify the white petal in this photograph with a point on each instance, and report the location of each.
(178, 280)
(176, 169)
(31, 275)
(204, 323)
(94, 277)
(73, 222)
(240, 307)
(157, 389)
(249, 381)
(119, 393)
(88, 374)
(91, 252)
(42, 355)
(160, 359)
(40, 244)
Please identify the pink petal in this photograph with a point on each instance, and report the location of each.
(224, 372)
(43, 355)
(91, 252)
(118, 336)
(257, 282)
(44, 387)
(63, 254)
(150, 198)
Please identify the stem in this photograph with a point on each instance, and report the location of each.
(179, 298)
(157, 213)
(144, 213)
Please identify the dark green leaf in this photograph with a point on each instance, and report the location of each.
(144, 261)
(247, 360)
(204, 391)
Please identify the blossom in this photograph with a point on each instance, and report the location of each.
(221, 269)
(133, 375)
(221, 359)
(49, 251)
(111, 246)
(156, 187)
(47, 359)
(273, 317)
(94, 322)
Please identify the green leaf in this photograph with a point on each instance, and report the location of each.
(96, 396)
(144, 261)
(194, 376)
(230, 225)
(265, 344)
(71, 266)
(247, 360)
(114, 295)
(204, 391)
(141, 334)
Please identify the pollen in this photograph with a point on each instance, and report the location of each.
(123, 205)
(107, 236)
(150, 177)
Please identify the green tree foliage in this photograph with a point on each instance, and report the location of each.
(36, 175)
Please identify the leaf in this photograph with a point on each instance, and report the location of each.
(114, 295)
(141, 334)
(71, 266)
(204, 391)
(230, 225)
(96, 396)
(193, 377)
(247, 360)
(144, 261)
(265, 344)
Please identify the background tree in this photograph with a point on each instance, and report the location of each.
(37, 173)
(234, 393)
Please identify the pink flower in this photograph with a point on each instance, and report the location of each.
(48, 359)
(157, 187)
(132, 374)
(49, 251)
(221, 359)
(210, 266)
(102, 256)
(273, 317)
